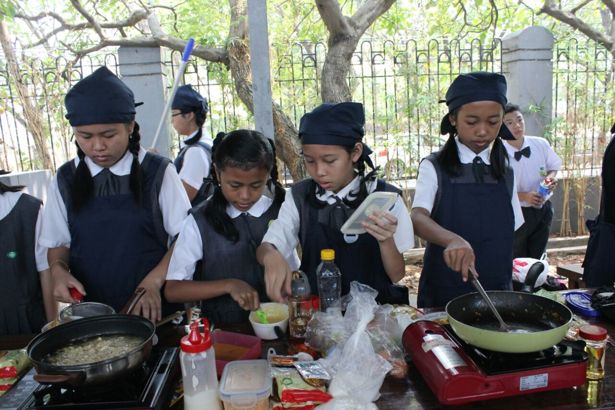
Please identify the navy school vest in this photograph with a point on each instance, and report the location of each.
(482, 214)
(358, 261)
(223, 259)
(115, 242)
(21, 301)
(207, 187)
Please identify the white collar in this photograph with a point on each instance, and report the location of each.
(466, 155)
(259, 208)
(120, 168)
(351, 187)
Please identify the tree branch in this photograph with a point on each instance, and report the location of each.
(332, 16)
(580, 6)
(88, 17)
(369, 12)
(577, 23)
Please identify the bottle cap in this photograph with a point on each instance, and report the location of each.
(300, 285)
(327, 254)
(592, 332)
(196, 341)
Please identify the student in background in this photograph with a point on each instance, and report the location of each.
(466, 205)
(193, 163)
(112, 211)
(26, 300)
(214, 261)
(316, 208)
(532, 160)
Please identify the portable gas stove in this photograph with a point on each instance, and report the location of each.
(459, 373)
(147, 387)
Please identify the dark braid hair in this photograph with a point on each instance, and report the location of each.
(83, 185)
(361, 194)
(448, 157)
(244, 149)
(10, 188)
(200, 115)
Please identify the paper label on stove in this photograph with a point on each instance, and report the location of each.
(536, 381)
(443, 350)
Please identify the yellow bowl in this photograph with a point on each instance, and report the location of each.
(277, 315)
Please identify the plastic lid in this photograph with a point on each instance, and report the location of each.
(581, 303)
(245, 382)
(592, 332)
(327, 254)
(196, 341)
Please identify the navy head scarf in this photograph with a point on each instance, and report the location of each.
(188, 100)
(335, 124)
(471, 87)
(100, 98)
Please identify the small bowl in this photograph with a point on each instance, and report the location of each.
(84, 309)
(275, 311)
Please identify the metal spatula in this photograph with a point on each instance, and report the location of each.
(503, 326)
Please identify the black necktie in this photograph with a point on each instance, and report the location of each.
(479, 169)
(524, 152)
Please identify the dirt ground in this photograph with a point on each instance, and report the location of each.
(413, 271)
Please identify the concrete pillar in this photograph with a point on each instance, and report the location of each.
(142, 70)
(261, 74)
(527, 65)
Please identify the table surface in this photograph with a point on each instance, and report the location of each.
(413, 392)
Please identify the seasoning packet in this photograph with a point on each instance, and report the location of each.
(313, 373)
(13, 363)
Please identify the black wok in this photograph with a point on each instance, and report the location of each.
(540, 322)
(97, 372)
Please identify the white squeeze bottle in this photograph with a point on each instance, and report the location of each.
(198, 363)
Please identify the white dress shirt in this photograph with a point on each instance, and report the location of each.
(529, 172)
(283, 233)
(189, 246)
(196, 163)
(427, 182)
(172, 199)
(7, 203)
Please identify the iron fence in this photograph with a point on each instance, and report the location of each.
(399, 83)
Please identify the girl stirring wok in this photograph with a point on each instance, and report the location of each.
(112, 210)
(316, 208)
(466, 205)
(214, 260)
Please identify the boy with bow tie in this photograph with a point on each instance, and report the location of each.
(532, 160)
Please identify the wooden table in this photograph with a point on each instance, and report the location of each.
(413, 393)
(574, 273)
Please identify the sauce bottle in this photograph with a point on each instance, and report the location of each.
(198, 364)
(595, 346)
(300, 307)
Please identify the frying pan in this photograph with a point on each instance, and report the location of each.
(88, 328)
(542, 322)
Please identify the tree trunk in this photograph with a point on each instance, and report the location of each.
(31, 113)
(286, 141)
(334, 83)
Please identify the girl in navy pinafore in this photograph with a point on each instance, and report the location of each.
(214, 261)
(112, 211)
(466, 206)
(316, 208)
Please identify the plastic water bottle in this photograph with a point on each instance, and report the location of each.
(198, 363)
(329, 279)
(543, 188)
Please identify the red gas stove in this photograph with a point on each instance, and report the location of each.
(459, 373)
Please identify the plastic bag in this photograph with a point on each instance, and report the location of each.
(357, 370)
(521, 266)
(385, 335)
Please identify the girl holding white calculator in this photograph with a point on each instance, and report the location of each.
(316, 208)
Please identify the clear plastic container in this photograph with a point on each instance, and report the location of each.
(246, 385)
(595, 345)
(329, 280)
(198, 364)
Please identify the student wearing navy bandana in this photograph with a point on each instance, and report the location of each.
(315, 209)
(532, 160)
(466, 205)
(188, 113)
(214, 260)
(111, 211)
(26, 299)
